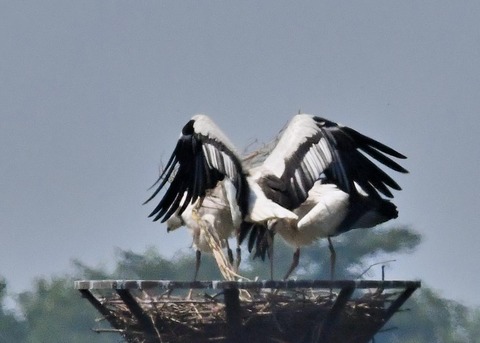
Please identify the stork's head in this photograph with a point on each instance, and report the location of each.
(174, 222)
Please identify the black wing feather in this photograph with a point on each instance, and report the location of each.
(192, 172)
(336, 153)
(350, 164)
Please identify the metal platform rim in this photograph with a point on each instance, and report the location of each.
(219, 285)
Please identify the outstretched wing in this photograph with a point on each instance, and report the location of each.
(202, 157)
(313, 148)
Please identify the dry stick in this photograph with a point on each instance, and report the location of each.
(226, 268)
(373, 265)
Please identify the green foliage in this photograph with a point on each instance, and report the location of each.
(55, 312)
(151, 265)
(427, 317)
(12, 329)
(355, 251)
(473, 326)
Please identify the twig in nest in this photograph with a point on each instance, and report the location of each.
(373, 265)
(224, 265)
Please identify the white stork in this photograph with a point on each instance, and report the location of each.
(214, 215)
(320, 171)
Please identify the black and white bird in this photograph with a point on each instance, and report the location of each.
(317, 182)
(320, 171)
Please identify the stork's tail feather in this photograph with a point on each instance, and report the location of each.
(370, 216)
(388, 210)
(259, 237)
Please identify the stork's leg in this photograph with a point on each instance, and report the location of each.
(198, 257)
(229, 252)
(333, 259)
(198, 253)
(270, 252)
(296, 258)
(270, 256)
(238, 259)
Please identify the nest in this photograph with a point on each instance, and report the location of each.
(260, 314)
(268, 316)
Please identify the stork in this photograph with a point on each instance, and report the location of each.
(320, 171)
(213, 215)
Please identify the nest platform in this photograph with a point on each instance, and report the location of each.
(147, 311)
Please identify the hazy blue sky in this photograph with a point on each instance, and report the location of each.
(93, 95)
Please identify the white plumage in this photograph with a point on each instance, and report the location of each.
(212, 215)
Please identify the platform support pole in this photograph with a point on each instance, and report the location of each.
(328, 325)
(233, 314)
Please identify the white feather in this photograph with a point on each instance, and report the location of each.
(214, 213)
(300, 129)
(262, 209)
(207, 127)
(318, 217)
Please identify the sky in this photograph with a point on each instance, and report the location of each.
(93, 96)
